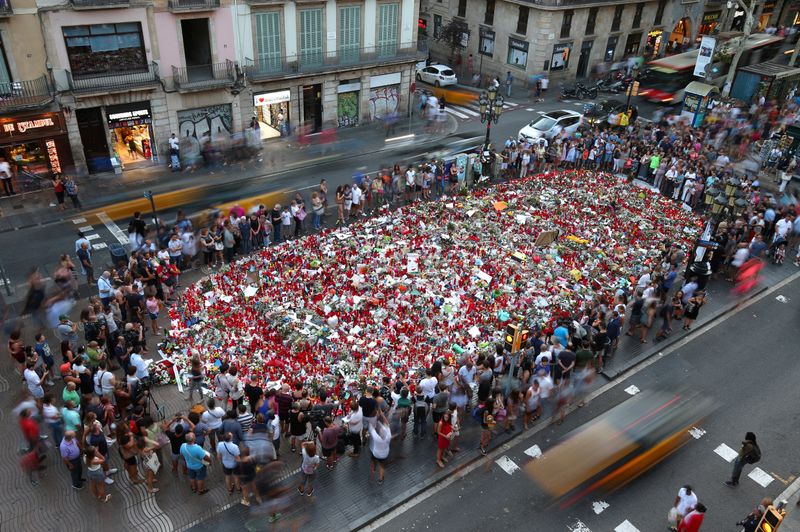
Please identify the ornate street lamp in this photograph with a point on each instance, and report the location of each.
(491, 107)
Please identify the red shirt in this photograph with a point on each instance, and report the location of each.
(691, 522)
(30, 429)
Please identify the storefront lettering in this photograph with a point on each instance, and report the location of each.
(127, 115)
(24, 126)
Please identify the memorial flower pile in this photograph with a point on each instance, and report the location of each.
(400, 290)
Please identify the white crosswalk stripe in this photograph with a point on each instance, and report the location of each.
(456, 113)
(726, 452)
(761, 477)
(626, 526)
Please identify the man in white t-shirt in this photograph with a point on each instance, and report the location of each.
(411, 180)
(685, 502)
(357, 194)
(34, 382)
(428, 386)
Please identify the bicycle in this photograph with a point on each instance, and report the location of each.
(30, 181)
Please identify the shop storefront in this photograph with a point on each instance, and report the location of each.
(271, 109)
(131, 133)
(347, 103)
(654, 42)
(709, 23)
(36, 143)
(384, 95)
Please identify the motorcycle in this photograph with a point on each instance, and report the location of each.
(578, 91)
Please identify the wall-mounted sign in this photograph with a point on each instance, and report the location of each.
(129, 114)
(270, 98)
(31, 126)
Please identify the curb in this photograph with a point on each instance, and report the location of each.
(616, 372)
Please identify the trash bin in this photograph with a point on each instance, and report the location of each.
(118, 254)
(702, 271)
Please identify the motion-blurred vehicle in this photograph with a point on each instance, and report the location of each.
(437, 75)
(615, 448)
(599, 112)
(551, 124)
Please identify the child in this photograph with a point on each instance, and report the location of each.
(780, 253)
(286, 221)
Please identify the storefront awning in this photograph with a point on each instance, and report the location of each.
(700, 89)
(772, 70)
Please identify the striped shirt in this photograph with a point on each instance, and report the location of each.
(246, 421)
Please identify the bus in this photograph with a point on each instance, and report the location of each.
(665, 79)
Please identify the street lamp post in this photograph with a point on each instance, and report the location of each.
(491, 107)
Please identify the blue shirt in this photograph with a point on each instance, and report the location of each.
(193, 454)
(563, 335)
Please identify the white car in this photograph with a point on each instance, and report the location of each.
(550, 124)
(438, 75)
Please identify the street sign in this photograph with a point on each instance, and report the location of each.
(148, 194)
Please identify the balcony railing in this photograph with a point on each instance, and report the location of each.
(193, 5)
(115, 81)
(5, 8)
(29, 94)
(204, 77)
(99, 4)
(308, 62)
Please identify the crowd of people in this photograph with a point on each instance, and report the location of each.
(105, 396)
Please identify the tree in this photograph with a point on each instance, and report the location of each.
(748, 28)
(455, 35)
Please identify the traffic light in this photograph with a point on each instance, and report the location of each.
(771, 520)
(511, 336)
(524, 335)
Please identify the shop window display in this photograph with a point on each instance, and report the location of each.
(105, 48)
(132, 143)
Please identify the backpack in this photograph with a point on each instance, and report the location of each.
(754, 456)
(477, 413)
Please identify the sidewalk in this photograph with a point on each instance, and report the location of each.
(38, 208)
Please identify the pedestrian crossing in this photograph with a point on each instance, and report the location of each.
(470, 111)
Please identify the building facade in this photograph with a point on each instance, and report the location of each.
(104, 83)
(566, 39)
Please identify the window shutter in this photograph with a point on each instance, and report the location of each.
(268, 42)
(311, 37)
(387, 30)
(349, 33)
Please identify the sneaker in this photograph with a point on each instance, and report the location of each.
(245, 502)
(109, 480)
(274, 517)
(483, 451)
(113, 469)
(310, 493)
(78, 488)
(731, 484)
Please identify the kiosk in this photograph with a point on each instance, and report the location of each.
(697, 101)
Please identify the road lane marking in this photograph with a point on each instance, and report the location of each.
(578, 526)
(507, 464)
(86, 228)
(456, 113)
(782, 299)
(101, 245)
(697, 433)
(113, 228)
(77, 221)
(529, 109)
(632, 390)
(726, 453)
(599, 506)
(761, 477)
(93, 237)
(534, 452)
(626, 526)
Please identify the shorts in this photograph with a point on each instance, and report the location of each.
(198, 474)
(131, 461)
(437, 416)
(97, 475)
(38, 392)
(229, 471)
(327, 452)
(153, 316)
(376, 459)
(176, 457)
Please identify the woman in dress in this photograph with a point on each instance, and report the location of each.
(692, 308)
(444, 431)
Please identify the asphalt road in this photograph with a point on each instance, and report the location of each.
(741, 363)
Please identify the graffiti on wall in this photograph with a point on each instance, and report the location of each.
(214, 119)
(348, 109)
(383, 101)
